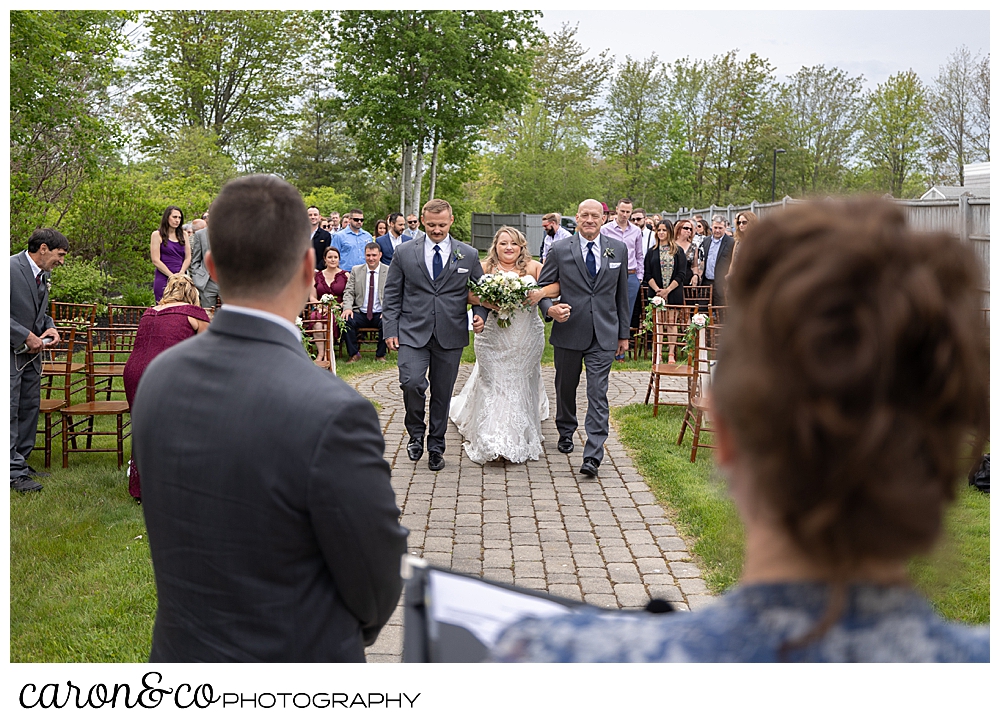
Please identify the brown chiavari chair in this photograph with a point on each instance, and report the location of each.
(705, 354)
(317, 325)
(107, 352)
(700, 296)
(670, 324)
(62, 376)
(125, 316)
(65, 314)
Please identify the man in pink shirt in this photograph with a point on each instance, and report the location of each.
(621, 229)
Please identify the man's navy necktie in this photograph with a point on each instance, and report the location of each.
(437, 261)
(591, 260)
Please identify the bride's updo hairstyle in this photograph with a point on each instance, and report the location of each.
(853, 375)
(493, 258)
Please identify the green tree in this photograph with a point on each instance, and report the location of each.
(951, 103)
(62, 65)
(539, 159)
(823, 107)
(413, 79)
(894, 131)
(634, 132)
(231, 72)
(981, 109)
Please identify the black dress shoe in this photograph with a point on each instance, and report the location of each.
(35, 473)
(415, 449)
(590, 466)
(565, 445)
(24, 483)
(435, 461)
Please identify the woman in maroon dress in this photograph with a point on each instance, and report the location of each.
(330, 280)
(177, 317)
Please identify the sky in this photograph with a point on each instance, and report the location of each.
(873, 43)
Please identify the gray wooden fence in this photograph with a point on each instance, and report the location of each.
(485, 226)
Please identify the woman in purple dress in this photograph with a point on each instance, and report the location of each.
(330, 280)
(168, 250)
(177, 317)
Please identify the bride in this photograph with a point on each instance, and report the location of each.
(501, 407)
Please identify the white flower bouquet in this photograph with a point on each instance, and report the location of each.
(336, 308)
(505, 290)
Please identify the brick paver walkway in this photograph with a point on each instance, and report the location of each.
(539, 525)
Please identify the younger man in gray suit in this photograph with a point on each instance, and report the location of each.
(30, 328)
(273, 528)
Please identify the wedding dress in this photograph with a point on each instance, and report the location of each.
(501, 407)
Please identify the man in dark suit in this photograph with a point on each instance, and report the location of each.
(718, 251)
(273, 528)
(31, 329)
(426, 319)
(391, 240)
(320, 237)
(592, 325)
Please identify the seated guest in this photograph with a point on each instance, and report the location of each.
(391, 240)
(177, 317)
(273, 528)
(363, 302)
(331, 280)
(852, 377)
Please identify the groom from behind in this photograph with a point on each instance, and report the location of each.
(425, 318)
(273, 529)
(592, 325)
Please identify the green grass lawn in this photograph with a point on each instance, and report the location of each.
(956, 577)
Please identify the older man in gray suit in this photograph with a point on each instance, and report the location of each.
(592, 325)
(208, 290)
(425, 318)
(273, 528)
(31, 329)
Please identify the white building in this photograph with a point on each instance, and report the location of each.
(977, 185)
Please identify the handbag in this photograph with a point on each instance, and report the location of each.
(980, 476)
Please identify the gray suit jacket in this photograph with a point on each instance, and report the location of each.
(354, 292)
(273, 528)
(28, 304)
(199, 246)
(599, 306)
(415, 308)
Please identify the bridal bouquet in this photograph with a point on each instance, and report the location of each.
(505, 290)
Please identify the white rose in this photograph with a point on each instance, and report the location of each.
(699, 319)
(657, 301)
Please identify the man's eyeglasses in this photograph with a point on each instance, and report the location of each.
(358, 220)
(637, 219)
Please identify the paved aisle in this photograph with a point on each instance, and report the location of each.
(541, 524)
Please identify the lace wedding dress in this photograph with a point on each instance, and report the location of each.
(501, 407)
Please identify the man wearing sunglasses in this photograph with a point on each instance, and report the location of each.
(351, 241)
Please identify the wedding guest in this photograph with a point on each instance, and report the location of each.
(381, 228)
(666, 274)
(363, 302)
(168, 249)
(177, 317)
(744, 220)
(846, 407)
(331, 280)
(684, 238)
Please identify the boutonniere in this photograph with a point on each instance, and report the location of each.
(457, 255)
(609, 253)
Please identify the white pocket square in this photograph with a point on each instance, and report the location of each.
(462, 271)
(614, 264)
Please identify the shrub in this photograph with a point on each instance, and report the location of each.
(80, 281)
(109, 223)
(136, 295)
